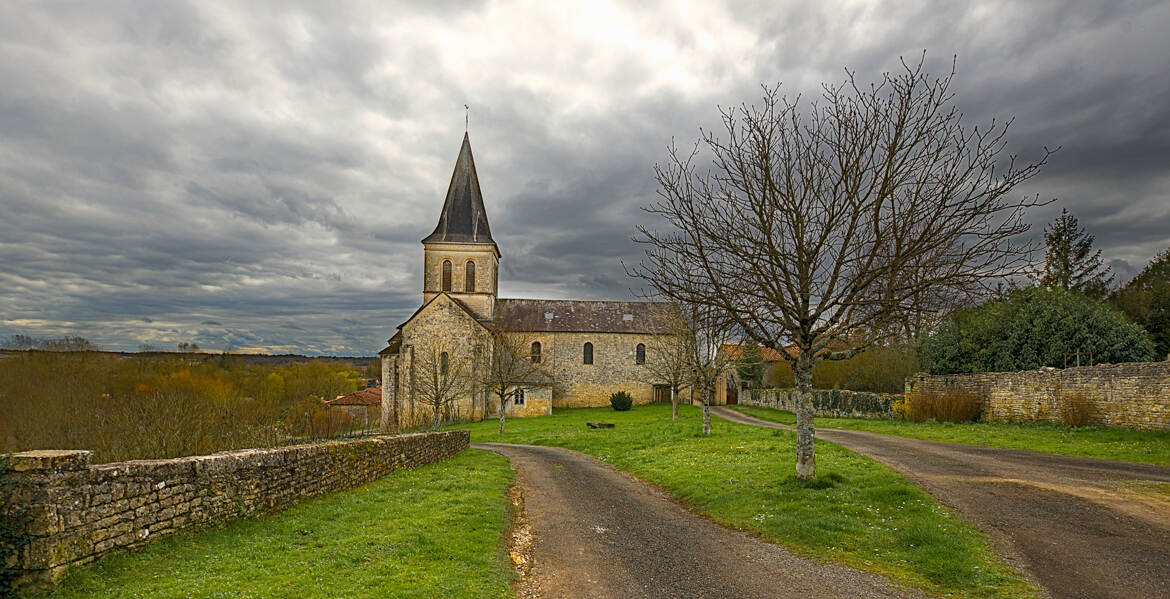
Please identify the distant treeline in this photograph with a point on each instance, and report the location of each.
(168, 404)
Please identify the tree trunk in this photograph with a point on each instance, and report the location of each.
(806, 458)
(673, 404)
(503, 404)
(438, 415)
(706, 413)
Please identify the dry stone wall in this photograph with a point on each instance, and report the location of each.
(830, 403)
(81, 511)
(1135, 394)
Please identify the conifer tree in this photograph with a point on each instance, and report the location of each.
(1069, 260)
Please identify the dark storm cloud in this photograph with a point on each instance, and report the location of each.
(258, 176)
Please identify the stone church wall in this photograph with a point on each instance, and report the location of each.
(81, 511)
(614, 368)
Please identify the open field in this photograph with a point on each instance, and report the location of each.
(1149, 447)
(858, 512)
(430, 532)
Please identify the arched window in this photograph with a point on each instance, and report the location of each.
(446, 275)
(536, 352)
(640, 353)
(588, 357)
(443, 364)
(469, 276)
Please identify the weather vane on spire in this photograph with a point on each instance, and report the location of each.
(466, 117)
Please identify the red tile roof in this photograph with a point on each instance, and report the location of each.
(370, 396)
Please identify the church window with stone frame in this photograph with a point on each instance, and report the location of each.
(587, 358)
(640, 354)
(469, 276)
(443, 363)
(536, 352)
(446, 275)
(519, 397)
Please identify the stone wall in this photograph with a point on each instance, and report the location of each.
(1134, 394)
(81, 511)
(614, 367)
(831, 403)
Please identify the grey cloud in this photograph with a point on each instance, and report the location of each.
(260, 175)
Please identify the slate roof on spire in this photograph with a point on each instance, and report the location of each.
(463, 219)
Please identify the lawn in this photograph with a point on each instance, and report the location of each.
(434, 531)
(1151, 447)
(858, 512)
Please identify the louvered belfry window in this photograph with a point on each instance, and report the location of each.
(446, 275)
(469, 277)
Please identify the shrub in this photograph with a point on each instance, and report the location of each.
(621, 401)
(898, 410)
(1034, 327)
(1076, 409)
(955, 405)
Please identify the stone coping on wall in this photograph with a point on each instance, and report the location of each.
(829, 403)
(80, 511)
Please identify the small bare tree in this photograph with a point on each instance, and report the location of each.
(443, 376)
(668, 354)
(708, 331)
(514, 359)
(824, 225)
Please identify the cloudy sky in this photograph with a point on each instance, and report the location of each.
(258, 175)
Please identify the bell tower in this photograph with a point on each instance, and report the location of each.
(460, 258)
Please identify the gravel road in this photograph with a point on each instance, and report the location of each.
(598, 532)
(1076, 526)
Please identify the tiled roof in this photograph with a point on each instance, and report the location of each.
(575, 316)
(370, 396)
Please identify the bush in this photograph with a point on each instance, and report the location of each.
(955, 405)
(1034, 327)
(1076, 409)
(621, 401)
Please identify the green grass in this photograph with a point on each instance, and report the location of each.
(1151, 447)
(430, 532)
(857, 512)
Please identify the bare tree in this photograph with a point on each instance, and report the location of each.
(822, 224)
(668, 354)
(443, 376)
(708, 331)
(514, 359)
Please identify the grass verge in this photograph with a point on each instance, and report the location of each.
(858, 511)
(1150, 447)
(433, 531)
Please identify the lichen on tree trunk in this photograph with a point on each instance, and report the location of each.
(806, 458)
(673, 404)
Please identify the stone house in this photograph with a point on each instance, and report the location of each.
(588, 349)
(364, 407)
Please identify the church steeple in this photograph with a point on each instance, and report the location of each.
(463, 219)
(460, 258)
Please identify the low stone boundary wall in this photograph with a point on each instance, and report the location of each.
(1134, 394)
(831, 403)
(80, 512)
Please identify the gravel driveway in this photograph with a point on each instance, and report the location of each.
(599, 532)
(1074, 525)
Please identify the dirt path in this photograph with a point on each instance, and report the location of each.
(599, 532)
(1075, 525)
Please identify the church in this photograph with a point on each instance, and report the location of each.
(587, 349)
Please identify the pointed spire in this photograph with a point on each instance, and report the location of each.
(463, 219)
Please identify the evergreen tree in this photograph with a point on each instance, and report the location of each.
(750, 364)
(1069, 260)
(1146, 301)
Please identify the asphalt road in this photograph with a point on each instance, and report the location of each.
(598, 532)
(1073, 525)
